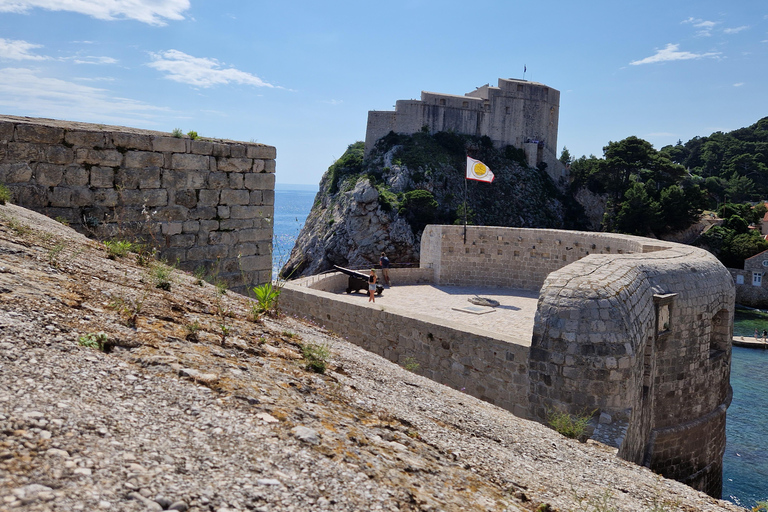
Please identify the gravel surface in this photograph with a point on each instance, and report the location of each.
(179, 413)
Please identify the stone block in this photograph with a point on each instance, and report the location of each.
(221, 238)
(169, 144)
(222, 212)
(131, 141)
(102, 177)
(87, 139)
(258, 166)
(24, 152)
(201, 147)
(191, 226)
(186, 198)
(259, 181)
(76, 176)
(269, 166)
(235, 224)
(6, 131)
(127, 179)
(149, 198)
(182, 240)
(49, 175)
(235, 180)
(245, 212)
(234, 197)
(59, 155)
(255, 263)
(190, 162)
(234, 164)
(104, 157)
(171, 228)
(82, 196)
(183, 179)
(106, 197)
(171, 213)
(204, 213)
(257, 198)
(29, 196)
(237, 151)
(139, 159)
(61, 197)
(220, 149)
(149, 177)
(268, 197)
(39, 134)
(207, 197)
(218, 180)
(261, 151)
(207, 252)
(15, 173)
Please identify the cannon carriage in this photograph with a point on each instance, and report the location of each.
(357, 280)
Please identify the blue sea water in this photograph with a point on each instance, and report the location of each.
(745, 463)
(292, 206)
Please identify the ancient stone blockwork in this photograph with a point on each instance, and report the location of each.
(203, 203)
(646, 337)
(637, 328)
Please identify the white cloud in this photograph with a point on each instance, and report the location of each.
(90, 59)
(333, 102)
(735, 30)
(11, 49)
(153, 12)
(738, 84)
(705, 26)
(25, 91)
(671, 53)
(200, 72)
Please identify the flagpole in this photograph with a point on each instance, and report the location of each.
(465, 210)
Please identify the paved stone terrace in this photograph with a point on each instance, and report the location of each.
(513, 315)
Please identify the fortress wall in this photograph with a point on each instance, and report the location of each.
(494, 370)
(515, 257)
(200, 202)
(645, 337)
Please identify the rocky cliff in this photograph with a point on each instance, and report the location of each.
(382, 203)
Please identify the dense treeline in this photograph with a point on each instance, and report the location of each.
(655, 192)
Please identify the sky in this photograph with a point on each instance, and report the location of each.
(302, 75)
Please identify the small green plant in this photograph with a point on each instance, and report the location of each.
(192, 134)
(62, 220)
(96, 340)
(572, 426)
(192, 330)
(199, 274)
(316, 356)
(5, 194)
(16, 226)
(177, 133)
(54, 253)
(117, 248)
(162, 275)
(267, 297)
(145, 254)
(290, 334)
(410, 364)
(128, 309)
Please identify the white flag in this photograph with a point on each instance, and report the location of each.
(477, 170)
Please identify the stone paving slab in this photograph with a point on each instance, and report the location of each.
(513, 315)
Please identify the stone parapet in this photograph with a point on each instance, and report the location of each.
(117, 182)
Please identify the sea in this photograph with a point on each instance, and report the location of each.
(745, 463)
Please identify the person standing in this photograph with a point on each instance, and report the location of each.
(384, 262)
(372, 285)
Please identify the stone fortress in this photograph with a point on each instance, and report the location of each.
(627, 328)
(201, 203)
(518, 112)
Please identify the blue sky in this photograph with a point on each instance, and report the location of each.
(303, 75)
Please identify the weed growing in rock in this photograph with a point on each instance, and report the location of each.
(54, 253)
(118, 248)
(410, 364)
(199, 274)
(267, 297)
(61, 220)
(574, 427)
(96, 340)
(5, 194)
(193, 135)
(316, 356)
(223, 313)
(600, 503)
(161, 275)
(192, 330)
(128, 309)
(16, 226)
(177, 133)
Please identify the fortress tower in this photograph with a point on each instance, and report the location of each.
(518, 112)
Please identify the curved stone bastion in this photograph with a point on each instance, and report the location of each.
(634, 331)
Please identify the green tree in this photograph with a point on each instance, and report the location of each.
(680, 208)
(419, 208)
(565, 156)
(639, 214)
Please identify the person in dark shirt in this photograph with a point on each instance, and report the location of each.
(372, 286)
(384, 261)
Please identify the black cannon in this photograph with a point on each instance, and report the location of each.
(357, 280)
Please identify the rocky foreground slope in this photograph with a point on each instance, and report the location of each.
(198, 408)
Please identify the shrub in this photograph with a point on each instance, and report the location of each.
(316, 356)
(419, 208)
(267, 297)
(177, 133)
(193, 134)
(572, 426)
(410, 364)
(117, 248)
(96, 340)
(162, 275)
(5, 194)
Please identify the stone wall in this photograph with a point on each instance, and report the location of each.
(752, 282)
(637, 328)
(489, 367)
(201, 202)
